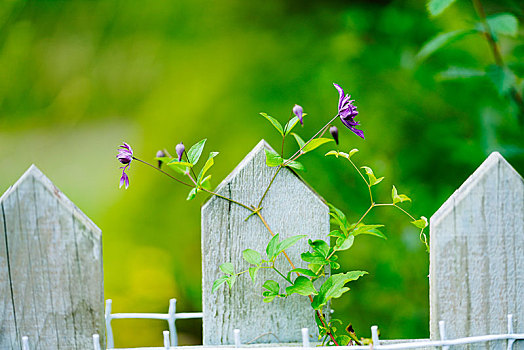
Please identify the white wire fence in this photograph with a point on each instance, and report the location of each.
(171, 341)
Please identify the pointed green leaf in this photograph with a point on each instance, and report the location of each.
(252, 256)
(436, 7)
(503, 23)
(209, 163)
(296, 165)
(273, 158)
(502, 77)
(274, 122)
(227, 268)
(315, 143)
(291, 124)
(272, 286)
(319, 246)
(372, 179)
(398, 198)
(272, 246)
(362, 229)
(288, 242)
(195, 151)
(421, 223)
(303, 286)
(206, 183)
(253, 272)
(300, 142)
(218, 282)
(231, 281)
(344, 243)
(439, 41)
(333, 287)
(331, 153)
(302, 271)
(191, 194)
(459, 73)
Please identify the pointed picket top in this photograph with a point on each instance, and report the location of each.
(495, 159)
(51, 269)
(257, 150)
(477, 254)
(290, 208)
(35, 174)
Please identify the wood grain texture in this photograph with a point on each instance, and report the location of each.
(477, 255)
(51, 275)
(290, 208)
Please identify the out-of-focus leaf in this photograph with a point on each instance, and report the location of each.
(503, 78)
(218, 282)
(228, 268)
(436, 7)
(252, 256)
(453, 73)
(502, 23)
(439, 41)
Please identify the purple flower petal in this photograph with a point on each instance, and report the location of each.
(298, 111)
(124, 180)
(180, 148)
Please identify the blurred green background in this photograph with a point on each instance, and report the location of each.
(79, 77)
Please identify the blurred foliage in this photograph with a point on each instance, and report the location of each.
(78, 77)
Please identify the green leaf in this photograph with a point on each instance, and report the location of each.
(195, 151)
(344, 243)
(398, 198)
(253, 272)
(333, 287)
(252, 256)
(296, 165)
(315, 143)
(459, 73)
(209, 163)
(292, 123)
(271, 249)
(272, 286)
(503, 23)
(206, 183)
(227, 268)
(436, 7)
(314, 258)
(503, 78)
(303, 286)
(218, 282)
(372, 179)
(231, 281)
(273, 158)
(164, 160)
(300, 142)
(191, 194)
(343, 340)
(180, 167)
(439, 41)
(274, 122)
(288, 242)
(362, 229)
(421, 223)
(319, 246)
(302, 271)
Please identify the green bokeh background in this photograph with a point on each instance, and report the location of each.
(79, 77)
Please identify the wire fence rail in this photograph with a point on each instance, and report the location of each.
(170, 337)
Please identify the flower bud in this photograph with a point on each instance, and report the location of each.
(334, 132)
(160, 154)
(180, 151)
(298, 111)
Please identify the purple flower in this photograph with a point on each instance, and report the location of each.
(298, 111)
(160, 154)
(347, 111)
(124, 156)
(334, 132)
(180, 150)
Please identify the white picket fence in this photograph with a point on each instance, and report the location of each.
(51, 273)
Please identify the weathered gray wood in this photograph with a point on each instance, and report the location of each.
(51, 276)
(290, 208)
(477, 255)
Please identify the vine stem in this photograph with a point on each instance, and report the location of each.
(495, 50)
(163, 172)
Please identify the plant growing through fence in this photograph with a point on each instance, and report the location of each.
(322, 256)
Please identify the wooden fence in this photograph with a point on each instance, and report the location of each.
(51, 282)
